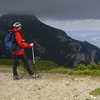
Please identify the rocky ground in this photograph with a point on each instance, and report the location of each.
(47, 87)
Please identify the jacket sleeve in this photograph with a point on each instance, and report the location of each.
(20, 41)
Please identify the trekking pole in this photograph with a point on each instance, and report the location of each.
(33, 55)
(33, 60)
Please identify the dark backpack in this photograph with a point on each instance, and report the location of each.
(10, 41)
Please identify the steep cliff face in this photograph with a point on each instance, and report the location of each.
(95, 52)
(50, 43)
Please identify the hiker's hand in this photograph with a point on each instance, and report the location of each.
(23, 40)
(31, 44)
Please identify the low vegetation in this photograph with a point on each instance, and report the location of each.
(51, 67)
(95, 92)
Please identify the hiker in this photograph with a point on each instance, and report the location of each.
(19, 54)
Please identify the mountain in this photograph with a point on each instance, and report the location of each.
(50, 43)
(94, 51)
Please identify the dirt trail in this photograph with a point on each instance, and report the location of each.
(47, 87)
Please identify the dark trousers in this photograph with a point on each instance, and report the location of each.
(25, 61)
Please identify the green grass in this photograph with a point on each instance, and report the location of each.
(51, 67)
(95, 92)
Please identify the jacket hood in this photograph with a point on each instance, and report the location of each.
(15, 30)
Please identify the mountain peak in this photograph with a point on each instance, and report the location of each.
(17, 17)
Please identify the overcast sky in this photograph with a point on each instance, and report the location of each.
(58, 9)
(80, 19)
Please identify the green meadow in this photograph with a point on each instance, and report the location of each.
(51, 67)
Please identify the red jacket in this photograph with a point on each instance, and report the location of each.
(19, 41)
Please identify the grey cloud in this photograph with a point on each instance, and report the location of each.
(57, 9)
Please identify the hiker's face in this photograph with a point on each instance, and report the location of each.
(19, 28)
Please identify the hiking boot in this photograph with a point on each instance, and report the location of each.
(16, 78)
(34, 75)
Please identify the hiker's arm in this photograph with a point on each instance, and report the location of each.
(20, 41)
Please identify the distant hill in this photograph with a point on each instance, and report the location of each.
(50, 43)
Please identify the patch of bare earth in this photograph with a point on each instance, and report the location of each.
(47, 87)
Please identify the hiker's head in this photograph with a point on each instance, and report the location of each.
(17, 25)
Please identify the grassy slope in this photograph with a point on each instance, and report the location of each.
(51, 67)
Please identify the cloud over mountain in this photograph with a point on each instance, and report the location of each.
(58, 9)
